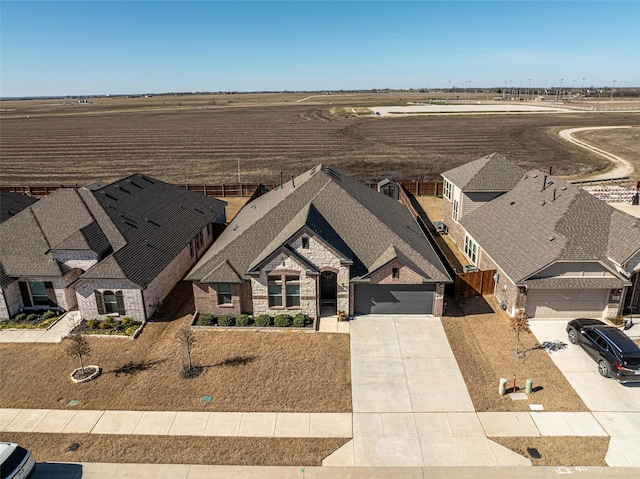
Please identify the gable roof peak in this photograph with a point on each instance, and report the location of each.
(493, 172)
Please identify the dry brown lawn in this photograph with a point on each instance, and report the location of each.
(234, 204)
(279, 371)
(560, 450)
(484, 346)
(432, 206)
(255, 451)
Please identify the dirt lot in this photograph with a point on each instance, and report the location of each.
(622, 142)
(201, 142)
(484, 346)
(242, 370)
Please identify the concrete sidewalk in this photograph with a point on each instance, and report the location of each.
(171, 423)
(54, 334)
(185, 471)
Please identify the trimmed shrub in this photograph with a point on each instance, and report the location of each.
(226, 320)
(32, 317)
(49, 314)
(300, 320)
(242, 320)
(21, 317)
(263, 320)
(106, 323)
(206, 319)
(130, 331)
(127, 321)
(282, 320)
(93, 323)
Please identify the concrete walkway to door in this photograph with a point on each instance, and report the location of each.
(411, 407)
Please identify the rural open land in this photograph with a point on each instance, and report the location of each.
(207, 139)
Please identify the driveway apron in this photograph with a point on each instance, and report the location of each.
(410, 403)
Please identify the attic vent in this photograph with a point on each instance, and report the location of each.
(512, 203)
(123, 189)
(334, 174)
(544, 202)
(526, 176)
(551, 238)
(199, 211)
(313, 170)
(564, 188)
(148, 220)
(146, 179)
(111, 197)
(129, 223)
(535, 176)
(135, 184)
(253, 206)
(235, 227)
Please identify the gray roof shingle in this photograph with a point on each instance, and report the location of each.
(13, 203)
(357, 221)
(135, 227)
(526, 229)
(490, 173)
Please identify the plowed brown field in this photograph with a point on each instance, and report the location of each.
(204, 145)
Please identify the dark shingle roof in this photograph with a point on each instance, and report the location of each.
(135, 227)
(490, 173)
(357, 221)
(13, 203)
(526, 229)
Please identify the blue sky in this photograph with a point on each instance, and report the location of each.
(114, 47)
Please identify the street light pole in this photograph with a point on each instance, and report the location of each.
(613, 89)
(529, 90)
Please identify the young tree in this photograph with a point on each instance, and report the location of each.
(186, 338)
(77, 345)
(519, 323)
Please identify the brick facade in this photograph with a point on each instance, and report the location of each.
(132, 296)
(206, 299)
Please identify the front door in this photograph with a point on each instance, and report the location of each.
(328, 293)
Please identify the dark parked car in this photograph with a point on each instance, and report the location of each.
(616, 354)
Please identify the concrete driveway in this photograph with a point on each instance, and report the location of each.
(411, 407)
(598, 393)
(615, 406)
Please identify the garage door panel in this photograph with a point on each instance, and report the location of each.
(399, 299)
(566, 304)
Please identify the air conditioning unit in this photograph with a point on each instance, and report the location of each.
(440, 227)
(469, 268)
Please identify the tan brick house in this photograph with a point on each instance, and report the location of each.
(107, 249)
(559, 252)
(320, 243)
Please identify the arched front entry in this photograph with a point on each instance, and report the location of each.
(328, 293)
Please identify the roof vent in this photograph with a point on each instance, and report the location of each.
(564, 188)
(111, 197)
(196, 209)
(535, 176)
(512, 203)
(135, 184)
(551, 238)
(235, 227)
(544, 202)
(149, 220)
(146, 179)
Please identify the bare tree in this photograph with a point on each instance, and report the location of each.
(186, 338)
(519, 323)
(77, 346)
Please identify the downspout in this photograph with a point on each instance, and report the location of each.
(144, 309)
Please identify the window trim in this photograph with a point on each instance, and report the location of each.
(454, 213)
(223, 295)
(470, 249)
(286, 299)
(447, 189)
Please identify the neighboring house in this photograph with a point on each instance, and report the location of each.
(559, 252)
(106, 249)
(320, 243)
(13, 203)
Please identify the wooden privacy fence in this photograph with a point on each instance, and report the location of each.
(432, 188)
(476, 283)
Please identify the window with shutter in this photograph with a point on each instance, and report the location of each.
(100, 303)
(120, 303)
(24, 292)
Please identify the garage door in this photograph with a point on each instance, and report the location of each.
(566, 304)
(397, 299)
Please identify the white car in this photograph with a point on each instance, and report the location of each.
(15, 462)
